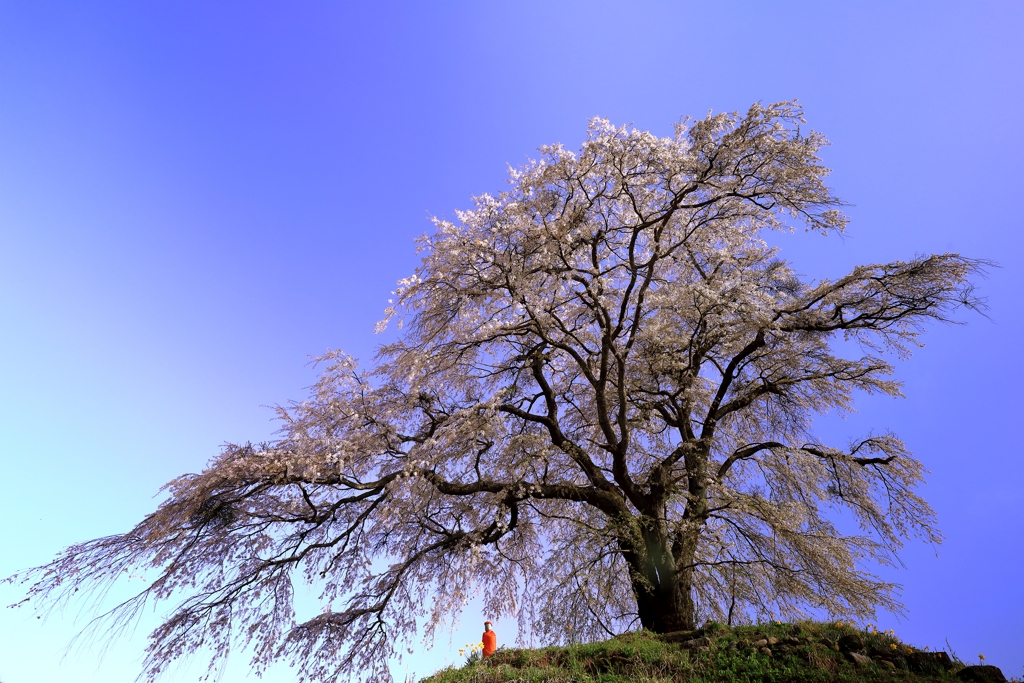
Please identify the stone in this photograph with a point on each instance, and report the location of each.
(773, 641)
(981, 673)
(679, 636)
(760, 643)
(858, 659)
(929, 662)
(886, 663)
(696, 642)
(766, 651)
(851, 643)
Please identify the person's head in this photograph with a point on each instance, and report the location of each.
(487, 626)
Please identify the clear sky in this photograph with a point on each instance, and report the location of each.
(195, 197)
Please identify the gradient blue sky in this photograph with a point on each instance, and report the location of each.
(195, 197)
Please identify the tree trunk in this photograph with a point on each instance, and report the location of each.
(667, 608)
(664, 595)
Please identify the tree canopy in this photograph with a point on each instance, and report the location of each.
(598, 414)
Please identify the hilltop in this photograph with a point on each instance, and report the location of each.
(804, 652)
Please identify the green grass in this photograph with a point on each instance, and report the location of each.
(806, 652)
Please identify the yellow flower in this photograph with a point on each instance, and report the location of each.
(981, 657)
(893, 646)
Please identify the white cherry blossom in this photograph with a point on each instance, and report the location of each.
(600, 409)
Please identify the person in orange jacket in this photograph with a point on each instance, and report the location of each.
(490, 640)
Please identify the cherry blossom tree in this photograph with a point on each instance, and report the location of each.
(597, 414)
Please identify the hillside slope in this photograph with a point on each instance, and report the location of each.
(805, 652)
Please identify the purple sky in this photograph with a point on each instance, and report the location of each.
(196, 197)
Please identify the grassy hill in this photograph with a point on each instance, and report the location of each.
(808, 652)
